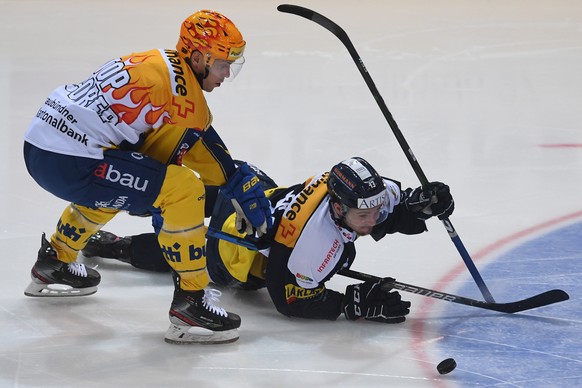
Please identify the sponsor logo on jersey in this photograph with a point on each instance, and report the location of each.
(286, 230)
(173, 253)
(330, 255)
(63, 110)
(302, 198)
(60, 125)
(108, 172)
(298, 209)
(176, 68)
(293, 292)
(304, 278)
(349, 236)
(69, 231)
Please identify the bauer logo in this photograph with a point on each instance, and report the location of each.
(108, 172)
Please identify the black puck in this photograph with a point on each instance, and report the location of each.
(446, 366)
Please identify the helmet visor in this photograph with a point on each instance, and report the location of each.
(227, 69)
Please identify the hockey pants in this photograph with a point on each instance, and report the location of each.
(123, 180)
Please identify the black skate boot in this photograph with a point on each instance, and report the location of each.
(52, 277)
(107, 245)
(195, 320)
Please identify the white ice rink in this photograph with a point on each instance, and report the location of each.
(488, 93)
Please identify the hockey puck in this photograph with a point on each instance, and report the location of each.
(446, 366)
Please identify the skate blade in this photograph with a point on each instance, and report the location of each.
(187, 335)
(35, 289)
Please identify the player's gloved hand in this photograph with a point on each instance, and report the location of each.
(253, 211)
(434, 200)
(373, 301)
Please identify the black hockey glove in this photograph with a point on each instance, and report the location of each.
(373, 301)
(435, 200)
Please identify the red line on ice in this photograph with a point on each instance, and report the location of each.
(418, 329)
(563, 145)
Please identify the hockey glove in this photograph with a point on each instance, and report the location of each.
(373, 301)
(434, 200)
(253, 211)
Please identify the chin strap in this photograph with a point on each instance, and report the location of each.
(200, 77)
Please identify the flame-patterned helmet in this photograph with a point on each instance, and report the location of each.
(213, 34)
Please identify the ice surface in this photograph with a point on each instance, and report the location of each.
(487, 93)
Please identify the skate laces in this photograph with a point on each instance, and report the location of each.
(78, 269)
(212, 295)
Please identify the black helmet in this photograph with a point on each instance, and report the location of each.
(356, 184)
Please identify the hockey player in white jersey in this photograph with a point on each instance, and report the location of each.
(137, 136)
(316, 225)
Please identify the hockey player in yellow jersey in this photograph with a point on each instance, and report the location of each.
(316, 225)
(128, 138)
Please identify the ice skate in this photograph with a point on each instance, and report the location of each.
(195, 320)
(54, 278)
(108, 245)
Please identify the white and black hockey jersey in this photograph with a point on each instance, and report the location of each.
(309, 247)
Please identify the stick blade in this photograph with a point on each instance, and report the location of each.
(319, 19)
(543, 299)
(296, 10)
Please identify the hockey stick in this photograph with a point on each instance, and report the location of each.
(543, 299)
(343, 37)
(253, 245)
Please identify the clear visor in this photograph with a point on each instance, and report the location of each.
(227, 70)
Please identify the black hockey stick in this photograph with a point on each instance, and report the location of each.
(247, 242)
(543, 299)
(343, 37)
